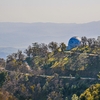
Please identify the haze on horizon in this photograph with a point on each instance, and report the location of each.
(56, 11)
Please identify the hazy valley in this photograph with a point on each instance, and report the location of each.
(21, 35)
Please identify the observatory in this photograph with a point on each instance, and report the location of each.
(74, 42)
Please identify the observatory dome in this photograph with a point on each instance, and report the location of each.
(74, 42)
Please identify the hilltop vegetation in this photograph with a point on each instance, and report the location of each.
(49, 72)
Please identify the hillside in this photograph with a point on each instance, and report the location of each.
(49, 72)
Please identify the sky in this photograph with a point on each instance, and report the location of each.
(56, 11)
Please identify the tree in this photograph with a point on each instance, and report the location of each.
(92, 93)
(63, 47)
(37, 50)
(20, 56)
(90, 41)
(55, 96)
(2, 62)
(16, 62)
(75, 97)
(28, 51)
(84, 41)
(95, 43)
(2, 78)
(16, 56)
(4, 95)
(9, 58)
(43, 50)
(53, 46)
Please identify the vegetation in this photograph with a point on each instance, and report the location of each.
(49, 72)
(2, 78)
(6, 96)
(92, 93)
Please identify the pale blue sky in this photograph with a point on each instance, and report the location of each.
(58, 11)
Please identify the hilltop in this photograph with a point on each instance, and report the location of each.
(49, 72)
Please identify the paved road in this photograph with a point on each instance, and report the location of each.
(68, 77)
(63, 77)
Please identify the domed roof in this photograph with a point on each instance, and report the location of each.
(74, 42)
(76, 37)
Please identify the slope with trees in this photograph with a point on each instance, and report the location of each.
(21, 74)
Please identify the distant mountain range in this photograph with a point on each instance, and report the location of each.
(5, 51)
(21, 35)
